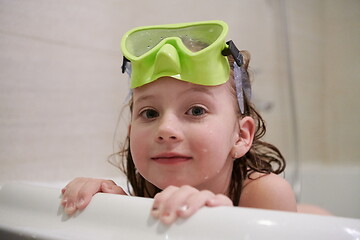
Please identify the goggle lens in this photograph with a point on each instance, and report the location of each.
(195, 38)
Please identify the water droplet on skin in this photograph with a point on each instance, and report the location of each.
(205, 150)
(211, 132)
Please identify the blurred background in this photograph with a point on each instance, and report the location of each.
(61, 87)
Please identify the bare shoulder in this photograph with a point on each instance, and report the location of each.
(268, 191)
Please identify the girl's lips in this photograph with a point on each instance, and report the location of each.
(171, 158)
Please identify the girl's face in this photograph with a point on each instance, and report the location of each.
(183, 134)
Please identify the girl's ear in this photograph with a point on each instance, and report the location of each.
(245, 137)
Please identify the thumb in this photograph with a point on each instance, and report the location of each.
(219, 200)
(111, 187)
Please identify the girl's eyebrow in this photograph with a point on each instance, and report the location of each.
(201, 89)
(144, 98)
(196, 88)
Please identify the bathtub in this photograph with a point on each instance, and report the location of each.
(33, 212)
(333, 187)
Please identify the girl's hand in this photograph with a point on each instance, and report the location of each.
(174, 202)
(78, 193)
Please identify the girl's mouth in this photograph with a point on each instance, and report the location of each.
(171, 158)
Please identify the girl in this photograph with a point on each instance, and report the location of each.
(194, 138)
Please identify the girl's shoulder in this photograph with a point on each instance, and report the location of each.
(267, 191)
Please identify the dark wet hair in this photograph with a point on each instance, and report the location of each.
(262, 157)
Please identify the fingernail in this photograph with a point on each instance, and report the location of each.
(155, 211)
(80, 203)
(165, 214)
(167, 218)
(69, 209)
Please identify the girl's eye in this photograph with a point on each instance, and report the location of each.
(149, 113)
(196, 111)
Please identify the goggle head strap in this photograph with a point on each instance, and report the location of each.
(234, 51)
(126, 67)
(241, 77)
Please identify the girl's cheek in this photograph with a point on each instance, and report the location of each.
(205, 150)
(133, 145)
(138, 142)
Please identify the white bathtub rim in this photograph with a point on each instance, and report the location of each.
(280, 224)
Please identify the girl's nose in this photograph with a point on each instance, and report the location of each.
(165, 137)
(169, 130)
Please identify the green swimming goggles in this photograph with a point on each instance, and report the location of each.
(192, 52)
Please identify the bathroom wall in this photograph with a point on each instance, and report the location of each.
(61, 87)
(325, 63)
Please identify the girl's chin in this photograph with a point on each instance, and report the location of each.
(165, 184)
(162, 186)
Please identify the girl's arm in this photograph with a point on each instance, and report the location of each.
(78, 193)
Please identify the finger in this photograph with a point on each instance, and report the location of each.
(160, 200)
(194, 202)
(110, 187)
(89, 188)
(64, 196)
(71, 184)
(69, 197)
(78, 194)
(219, 200)
(64, 188)
(70, 208)
(174, 202)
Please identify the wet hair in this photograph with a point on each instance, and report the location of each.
(262, 157)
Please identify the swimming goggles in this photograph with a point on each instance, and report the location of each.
(192, 52)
